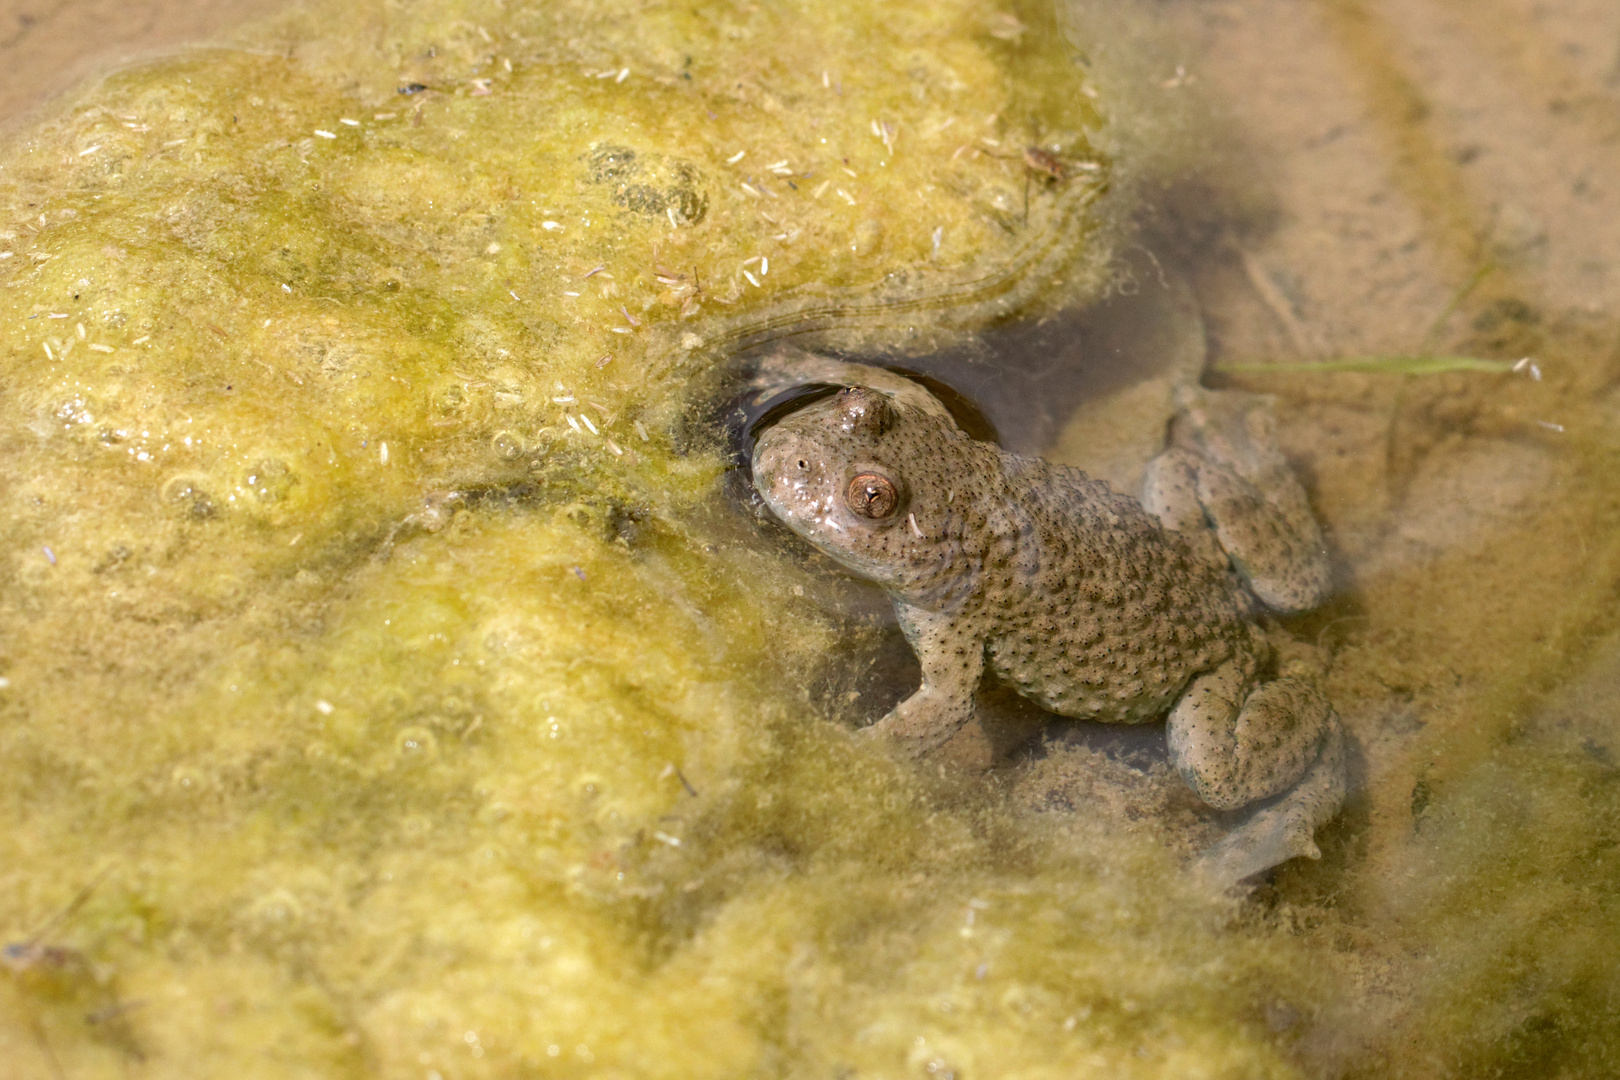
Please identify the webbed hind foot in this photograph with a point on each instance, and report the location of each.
(1286, 828)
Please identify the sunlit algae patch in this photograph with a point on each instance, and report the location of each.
(389, 688)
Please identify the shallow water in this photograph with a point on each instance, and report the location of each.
(311, 776)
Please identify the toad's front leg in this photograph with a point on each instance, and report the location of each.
(952, 664)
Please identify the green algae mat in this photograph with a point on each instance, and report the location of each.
(389, 686)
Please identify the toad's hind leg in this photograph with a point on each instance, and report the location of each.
(1235, 746)
(1229, 491)
(1285, 828)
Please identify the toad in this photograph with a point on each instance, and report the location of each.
(1092, 604)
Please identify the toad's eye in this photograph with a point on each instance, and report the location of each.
(872, 495)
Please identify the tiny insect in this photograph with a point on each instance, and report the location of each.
(23, 957)
(1044, 161)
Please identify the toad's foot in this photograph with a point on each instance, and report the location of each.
(1225, 486)
(1286, 828)
(1237, 744)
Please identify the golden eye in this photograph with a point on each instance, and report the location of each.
(872, 496)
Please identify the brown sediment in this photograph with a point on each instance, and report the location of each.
(47, 47)
(1474, 513)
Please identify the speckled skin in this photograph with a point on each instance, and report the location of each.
(1074, 594)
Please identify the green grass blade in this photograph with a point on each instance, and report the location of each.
(1377, 365)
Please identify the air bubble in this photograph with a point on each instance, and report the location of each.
(507, 445)
(271, 480)
(186, 494)
(188, 778)
(451, 399)
(417, 744)
(274, 915)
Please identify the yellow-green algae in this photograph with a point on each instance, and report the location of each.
(307, 777)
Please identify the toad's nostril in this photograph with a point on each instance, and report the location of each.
(803, 464)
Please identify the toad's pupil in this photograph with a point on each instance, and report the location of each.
(871, 495)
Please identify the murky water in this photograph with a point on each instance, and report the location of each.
(313, 771)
